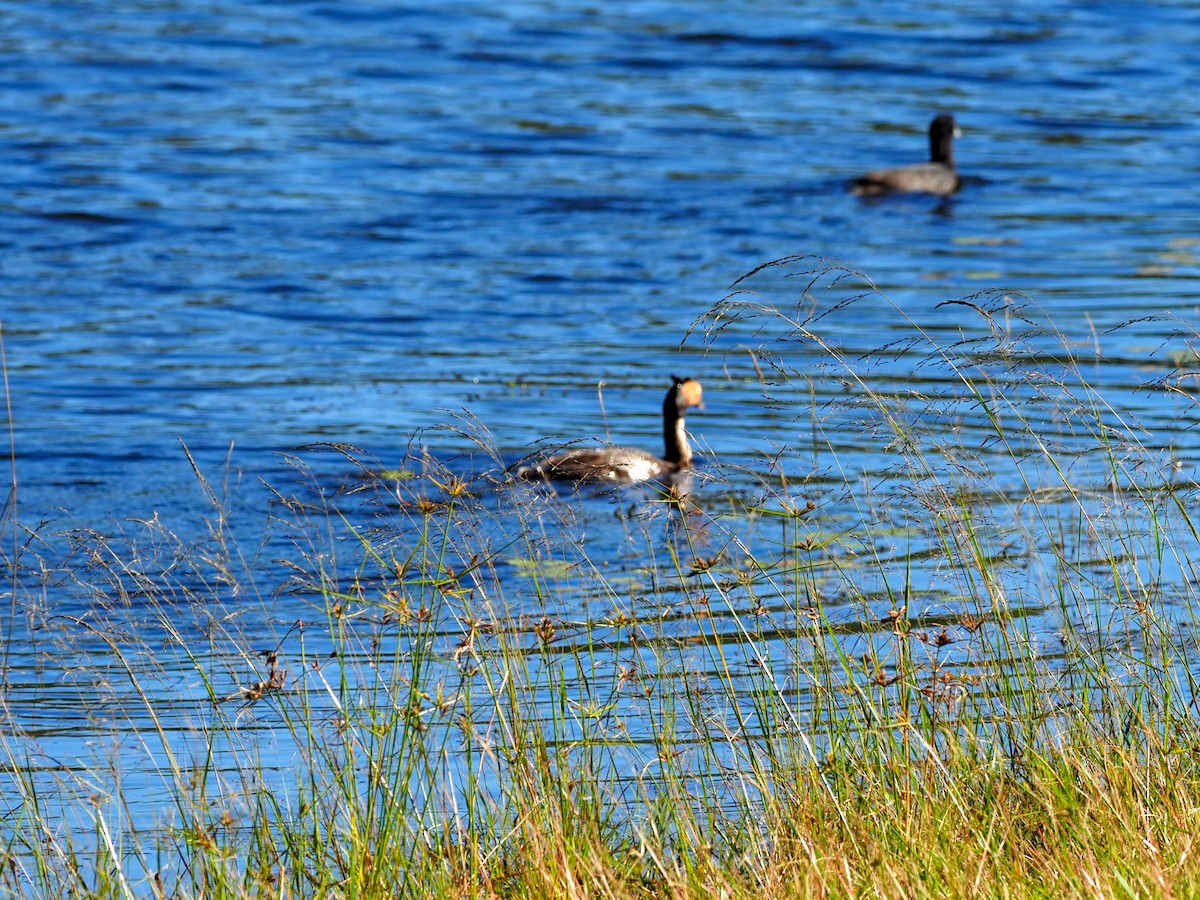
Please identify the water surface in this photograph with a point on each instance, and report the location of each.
(245, 229)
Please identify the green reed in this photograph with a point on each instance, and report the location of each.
(964, 673)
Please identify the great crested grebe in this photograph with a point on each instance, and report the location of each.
(615, 465)
(938, 176)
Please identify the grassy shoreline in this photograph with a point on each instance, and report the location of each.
(966, 676)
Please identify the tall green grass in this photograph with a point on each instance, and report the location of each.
(964, 672)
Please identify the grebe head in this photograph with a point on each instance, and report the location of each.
(686, 394)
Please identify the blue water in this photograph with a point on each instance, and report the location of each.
(279, 223)
(246, 228)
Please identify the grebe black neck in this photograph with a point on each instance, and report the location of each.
(684, 394)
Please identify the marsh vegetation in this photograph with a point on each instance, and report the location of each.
(965, 670)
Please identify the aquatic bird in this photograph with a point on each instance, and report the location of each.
(938, 176)
(614, 465)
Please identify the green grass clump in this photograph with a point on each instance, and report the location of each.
(961, 670)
